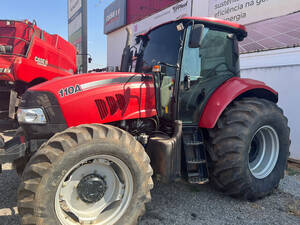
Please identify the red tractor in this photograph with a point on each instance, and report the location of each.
(88, 139)
(29, 56)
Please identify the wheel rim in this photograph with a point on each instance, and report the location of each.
(96, 191)
(263, 152)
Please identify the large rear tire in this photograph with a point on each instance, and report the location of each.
(90, 174)
(249, 147)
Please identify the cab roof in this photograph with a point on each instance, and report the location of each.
(236, 28)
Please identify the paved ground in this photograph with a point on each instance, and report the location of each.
(185, 204)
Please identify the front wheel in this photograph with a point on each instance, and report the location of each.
(91, 174)
(249, 148)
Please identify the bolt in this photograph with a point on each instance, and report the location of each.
(107, 162)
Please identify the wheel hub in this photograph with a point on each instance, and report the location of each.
(263, 152)
(91, 188)
(97, 190)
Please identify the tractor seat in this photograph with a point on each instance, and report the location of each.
(6, 48)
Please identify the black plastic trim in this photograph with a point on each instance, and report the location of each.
(55, 118)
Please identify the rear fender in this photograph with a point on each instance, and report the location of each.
(229, 91)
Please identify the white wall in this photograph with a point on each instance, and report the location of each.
(200, 8)
(115, 45)
(280, 69)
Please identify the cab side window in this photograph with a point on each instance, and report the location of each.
(191, 60)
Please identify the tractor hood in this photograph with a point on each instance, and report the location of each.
(6, 63)
(100, 97)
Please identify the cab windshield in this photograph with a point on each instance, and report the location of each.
(218, 53)
(160, 46)
(14, 38)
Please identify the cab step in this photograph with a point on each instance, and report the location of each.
(194, 143)
(197, 180)
(195, 157)
(196, 161)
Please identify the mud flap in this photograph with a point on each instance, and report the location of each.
(13, 100)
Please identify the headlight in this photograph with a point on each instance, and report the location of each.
(35, 115)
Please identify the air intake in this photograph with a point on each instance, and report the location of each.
(121, 102)
(112, 104)
(101, 108)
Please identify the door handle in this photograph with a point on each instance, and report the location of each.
(187, 82)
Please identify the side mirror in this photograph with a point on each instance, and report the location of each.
(196, 36)
(137, 40)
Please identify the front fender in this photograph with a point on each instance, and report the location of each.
(229, 91)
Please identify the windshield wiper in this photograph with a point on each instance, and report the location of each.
(169, 65)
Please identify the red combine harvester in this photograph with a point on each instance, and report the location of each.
(29, 56)
(85, 153)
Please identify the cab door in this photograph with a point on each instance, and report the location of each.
(203, 70)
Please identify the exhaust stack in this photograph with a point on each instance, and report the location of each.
(127, 54)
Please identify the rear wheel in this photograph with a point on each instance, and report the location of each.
(249, 148)
(91, 174)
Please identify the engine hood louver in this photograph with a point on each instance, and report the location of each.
(112, 103)
(102, 109)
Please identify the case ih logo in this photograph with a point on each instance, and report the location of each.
(114, 15)
(180, 6)
(40, 61)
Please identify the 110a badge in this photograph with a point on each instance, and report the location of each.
(69, 90)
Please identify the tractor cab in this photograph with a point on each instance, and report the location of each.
(189, 59)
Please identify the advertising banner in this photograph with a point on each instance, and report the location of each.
(114, 16)
(179, 10)
(249, 11)
(138, 10)
(73, 7)
(77, 31)
(271, 24)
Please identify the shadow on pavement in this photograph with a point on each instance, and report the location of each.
(9, 182)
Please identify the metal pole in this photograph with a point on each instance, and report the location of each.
(84, 36)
